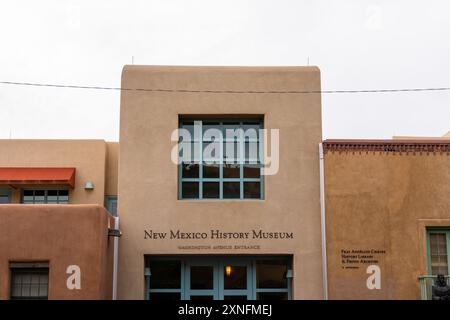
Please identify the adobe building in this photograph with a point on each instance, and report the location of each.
(228, 228)
(57, 239)
(227, 193)
(387, 216)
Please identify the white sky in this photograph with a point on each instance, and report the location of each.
(358, 44)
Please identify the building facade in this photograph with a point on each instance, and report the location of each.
(387, 217)
(210, 225)
(226, 193)
(55, 230)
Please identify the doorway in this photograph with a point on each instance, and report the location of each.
(218, 278)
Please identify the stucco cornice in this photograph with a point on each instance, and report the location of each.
(441, 146)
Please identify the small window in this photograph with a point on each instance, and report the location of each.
(111, 205)
(220, 159)
(29, 282)
(41, 196)
(5, 196)
(202, 277)
(438, 251)
(235, 277)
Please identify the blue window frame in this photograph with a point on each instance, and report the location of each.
(220, 159)
(44, 196)
(111, 205)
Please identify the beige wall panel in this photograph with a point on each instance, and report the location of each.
(149, 182)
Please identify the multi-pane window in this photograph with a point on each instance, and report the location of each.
(438, 251)
(4, 196)
(29, 283)
(220, 159)
(60, 196)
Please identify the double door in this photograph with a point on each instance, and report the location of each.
(218, 279)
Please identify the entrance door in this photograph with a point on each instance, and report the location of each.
(218, 277)
(235, 280)
(202, 279)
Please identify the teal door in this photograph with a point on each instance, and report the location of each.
(218, 278)
(202, 280)
(235, 279)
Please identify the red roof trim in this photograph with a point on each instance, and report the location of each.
(27, 175)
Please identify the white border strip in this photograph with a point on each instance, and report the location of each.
(323, 224)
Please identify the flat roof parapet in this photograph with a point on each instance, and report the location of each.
(387, 146)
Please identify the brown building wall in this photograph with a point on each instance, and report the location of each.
(383, 201)
(62, 235)
(149, 181)
(112, 168)
(94, 161)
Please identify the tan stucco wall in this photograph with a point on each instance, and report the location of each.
(87, 156)
(148, 179)
(112, 168)
(383, 202)
(62, 235)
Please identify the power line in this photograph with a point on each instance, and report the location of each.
(53, 85)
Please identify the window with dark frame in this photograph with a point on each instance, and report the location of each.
(271, 280)
(29, 283)
(166, 281)
(234, 172)
(42, 196)
(438, 251)
(4, 199)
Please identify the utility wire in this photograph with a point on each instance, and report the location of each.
(53, 85)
